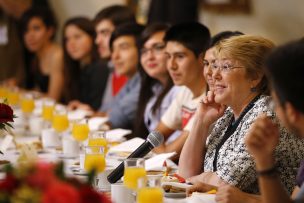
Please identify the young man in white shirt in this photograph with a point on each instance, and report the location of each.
(185, 44)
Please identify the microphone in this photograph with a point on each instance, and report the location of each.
(154, 139)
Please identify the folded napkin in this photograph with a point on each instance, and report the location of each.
(96, 122)
(78, 114)
(128, 146)
(117, 135)
(156, 162)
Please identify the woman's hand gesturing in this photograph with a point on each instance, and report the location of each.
(208, 110)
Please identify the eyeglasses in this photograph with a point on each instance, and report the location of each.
(225, 67)
(156, 49)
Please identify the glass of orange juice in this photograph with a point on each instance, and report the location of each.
(3, 92)
(98, 138)
(48, 109)
(80, 130)
(60, 121)
(150, 190)
(13, 96)
(134, 170)
(94, 159)
(27, 103)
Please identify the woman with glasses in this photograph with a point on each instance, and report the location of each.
(157, 89)
(239, 96)
(209, 57)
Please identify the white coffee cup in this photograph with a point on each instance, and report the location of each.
(50, 138)
(35, 125)
(121, 194)
(70, 147)
(102, 182)
(19, 121)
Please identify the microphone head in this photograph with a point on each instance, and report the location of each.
(155, 138)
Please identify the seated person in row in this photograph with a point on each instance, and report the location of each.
(262, 145)
(85, 77)
(240, 94)
(157, 90)
(105, 22)
(209, 57)
(44, 62)
(125, 57)
(184, 44)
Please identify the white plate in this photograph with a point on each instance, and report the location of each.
(175, 195)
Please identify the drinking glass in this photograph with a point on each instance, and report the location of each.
(13, 96)
(60, 120)
(98, 138)
(27, 103)
(3, 91)
(134, 169)
(48, 109)
(27, 107)
(94, 159)
(80, 130)
(150, 190)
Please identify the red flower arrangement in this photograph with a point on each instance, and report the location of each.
(6, 115)
(46, 183)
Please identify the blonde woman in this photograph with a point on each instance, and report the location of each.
(240, 94)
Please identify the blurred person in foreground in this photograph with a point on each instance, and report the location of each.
(285, 68)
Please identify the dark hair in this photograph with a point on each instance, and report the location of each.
(43, 13)
(147, 83)
(192, 35)
(285, 69)
(223, 35)
(127, 29)
(71, 66)
(117, 14)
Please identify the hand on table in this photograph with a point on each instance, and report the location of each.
(75, 104)
(200, 187)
